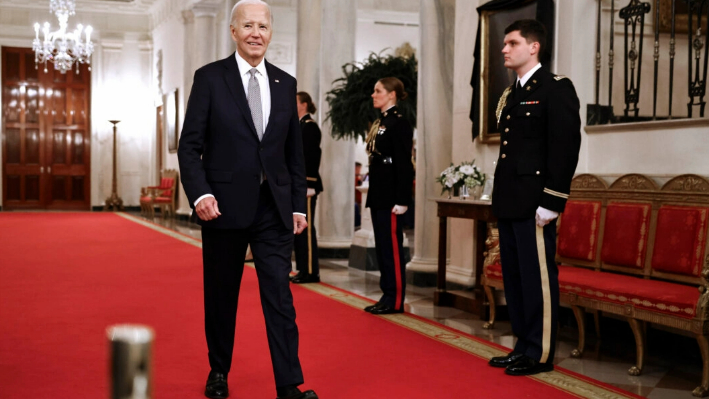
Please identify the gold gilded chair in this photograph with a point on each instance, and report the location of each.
(163, 195)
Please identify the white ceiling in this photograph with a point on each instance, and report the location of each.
(122, 6)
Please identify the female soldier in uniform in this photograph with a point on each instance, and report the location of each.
(391, 174)
(306, 244)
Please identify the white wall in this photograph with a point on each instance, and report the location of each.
(169, 37)
(121, 83)
(282, 50)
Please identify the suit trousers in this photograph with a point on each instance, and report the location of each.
(531, 280)
(389, 243)
(306, 243)
(223, 253)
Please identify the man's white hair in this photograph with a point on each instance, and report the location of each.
(239, 3)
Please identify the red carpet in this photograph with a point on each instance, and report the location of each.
(65, 277)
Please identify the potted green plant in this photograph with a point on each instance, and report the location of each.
(351, 111)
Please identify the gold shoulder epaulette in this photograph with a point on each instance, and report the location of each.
(501, 104)
(560, 77)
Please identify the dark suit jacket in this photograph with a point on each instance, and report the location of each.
(311, 148)
(391, 172)
(220, 153)
(539, 147)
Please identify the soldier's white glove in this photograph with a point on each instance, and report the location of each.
(544, 216)
(399, 209)
(310, 192)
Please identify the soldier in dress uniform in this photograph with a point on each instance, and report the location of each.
(306, 244)
(391, 176)
(539, 121)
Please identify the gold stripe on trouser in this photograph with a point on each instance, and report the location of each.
(310, 241)
(546, 295)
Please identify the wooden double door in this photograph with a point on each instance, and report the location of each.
(46, 135)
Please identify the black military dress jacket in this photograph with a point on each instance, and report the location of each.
(391, 171)
(311, 149)
(539, 146)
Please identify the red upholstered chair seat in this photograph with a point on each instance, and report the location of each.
(654, 295)
(147, 198)
(494, 271)
(680, 239)
(163, 200)
(625, 236)
(578, 230)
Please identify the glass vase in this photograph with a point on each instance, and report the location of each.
(477, 192)
(464, 192)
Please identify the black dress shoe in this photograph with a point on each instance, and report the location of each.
(372, 307)
(385, 309)
(528, 366)
(294, 393)
(504, 361)
(217, 387)
(304, 278)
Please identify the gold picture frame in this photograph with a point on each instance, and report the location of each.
(171, 120)
(681, 18)
(494, 77)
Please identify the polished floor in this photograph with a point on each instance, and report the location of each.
(673, 363)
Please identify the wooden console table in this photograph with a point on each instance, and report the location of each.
(481, 211)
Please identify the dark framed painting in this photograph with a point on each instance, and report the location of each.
(494, 77)
(681, 17)
(171, 119)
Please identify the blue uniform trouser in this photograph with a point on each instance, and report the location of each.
(388, 238)
(531, 280)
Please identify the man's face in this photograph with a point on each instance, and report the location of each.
(252, 32)
(518, 52)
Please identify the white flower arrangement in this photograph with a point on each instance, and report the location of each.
(466, 174)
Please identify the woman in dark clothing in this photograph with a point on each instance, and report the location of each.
(391, 175)
(306, 243)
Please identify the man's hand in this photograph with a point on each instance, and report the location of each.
(299, 224)
(311, 192)
(399, 209)
(544, 216)
(207, 209)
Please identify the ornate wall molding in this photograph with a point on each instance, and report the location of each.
(588, 181)
(687, 183)
(634, 181)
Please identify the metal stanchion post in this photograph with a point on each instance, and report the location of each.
(130, 348)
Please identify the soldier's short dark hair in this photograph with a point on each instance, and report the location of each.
(532, 30)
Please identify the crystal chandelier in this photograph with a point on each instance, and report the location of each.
(61, 47)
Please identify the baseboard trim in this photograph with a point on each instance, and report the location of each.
(421, 279)
(333, 253)
(99, 208)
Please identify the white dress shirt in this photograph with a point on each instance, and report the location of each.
(523, 80)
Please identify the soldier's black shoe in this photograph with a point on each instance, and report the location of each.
(292, 392)
(372, 307)
(217, 387)
(385, 309)
(528, 366)
(304, 278)
(504, 361)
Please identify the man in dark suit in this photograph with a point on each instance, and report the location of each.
(241, 161)
(540, 139)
